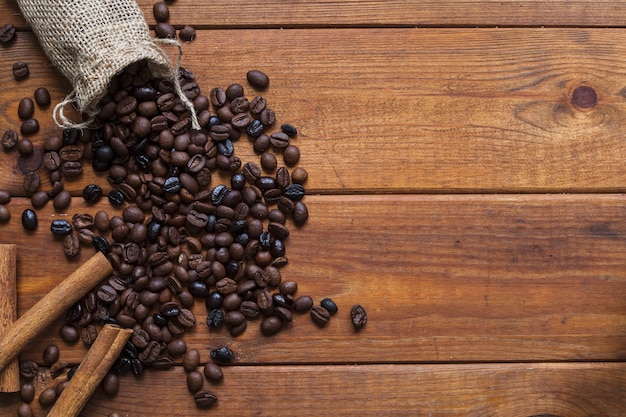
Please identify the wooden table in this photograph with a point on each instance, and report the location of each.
(457, 190)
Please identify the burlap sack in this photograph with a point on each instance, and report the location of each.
(90, 41)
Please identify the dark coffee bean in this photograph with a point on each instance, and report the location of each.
(7, 33)
(271, 325)
(222, 355)
(72, 169)
(29, 127)
(24, 410)
(161, 11)
(205, 399)
(62, 200)
(239, 105)
(255, 128)
(29, 369)
(29, 220)
(215, 318)
(300, 213)
(27, 392)
(187, 33)
(5, 214)
(92, 193)
(172, 185)
(217, 97)
(48, 397)
(69, 334)
(258, 79)
(42, 97)
(214, 300)
(20, 70)
(291, 155)
(101, 244)
(195, 380)
(294, 192)
(191, 360)
(234, 90)
(268, 161)
(359, 316)
(25, 147)
(31, 182)
(289, 130)
(60, 227)
(198, 289)
(225, 147)
(110, 384)
(329, 305)
(89, 334)
(116, 198)
(71, 136)
(213, 372)
(9, 139)
(217, 194)
(320, 316)
(279, 140)
(26, 108)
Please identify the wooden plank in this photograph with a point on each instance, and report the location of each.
(443, 278)
(486, 390)
(284, 13)
(407, 110)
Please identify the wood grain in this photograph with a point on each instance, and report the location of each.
(464, 390)
(456, 111)
(443, 278)
(9, 374)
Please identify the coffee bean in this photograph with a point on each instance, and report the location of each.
(222, 355)
(20, 70)
(161, 11)
(92, 193)
(320, 316)
(177, 347)
(9, 139)
(256, 127)
(60, 227)
(42, 97)
(7, 33)
(291, 155)
(271, 325)
(50, 354)
(279, 140)
(234, 90)
(268, 161)
(329, 305)
(48, 397)
(195, 381)
(299, 176)
(29, 220)
(258, 79)
(89, 334)
(31, 182)
(62, 200)
(27, 392)
(300, 213)
(28, 369)
(205, 399)
(187, 33)
(5, 214)
(213, 372)
(116, 198)
(110, 384)
(71, 245)
(359, 316)
(24, 410)
(26, 108)
(69, 333)
(191, 360)
(25, 147)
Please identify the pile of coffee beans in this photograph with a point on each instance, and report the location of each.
(179, 236)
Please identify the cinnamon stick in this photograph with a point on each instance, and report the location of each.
(99, 359)
(9, 376)
(57, 301)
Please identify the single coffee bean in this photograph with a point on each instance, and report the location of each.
(25, 147)
(359, 316)
(213, 372)
(161, 11)
(48, 397)
(289, 130)
(291, 155)
(222, 355)
(42, 97)
(165, 31)
(24, 410)
(187, 33)
(92, 193)
(329, 305)
(271, 325)
(267, 117)
(5, 197)
(191, 360)
(29, 369)
(258, 79)
(7, 33)
(71, 245)
(300, 213)
(9, 139)
(50, 354)
(195, 381)
(5, 214)
(69, 333)
(70, 136)
(205, 399)
(60, 227)
(268, 161)
(20, 70)
(26, 108)
(27, 392)
(234, 90)
(177, 347)
(89, 334)
(320, 316)
(62, 200)
(110, 384)
(31, 182)
(29, 220)
(256, 127)
(116, 198)
(101, 244)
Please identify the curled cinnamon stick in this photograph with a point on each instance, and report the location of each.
(14, 338)
(99, 359)
(9, 376)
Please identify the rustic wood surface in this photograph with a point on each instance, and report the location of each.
(456, 189)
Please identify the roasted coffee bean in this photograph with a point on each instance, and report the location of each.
(191, 360)
(52, 160)
(71, 136)
(42, 97)
(60, 227)
(267, 117)
(39, 199)
(291, 155)
(116, 198)
(215, 318)
(110, 384)
(25, 147)
(92, 193)
(294, 192)
(71, 153)
(359, 316)
(32, 182)
(20, 70)
(279, 140)
(195, 381)
(62, 200)
(300, 213)
(7, 33)
(5, 214)
(29, 220)
(222, 355)
(9, 139)
(299, 175)
(271, 325)
(320, 316)
(25, 108)
(289, 130)
(329, 305)
(187, 33)
(48, 397)
(205, 399)
(258, 79)
(177, 347)
(161, 11)
(72, 169)
(24, 410)
(27, 392)
(268, 161)
(69, 333)
(256, 127)
(213, 372)
(217, 97)
(29, 369)
(101, 244)
(28, 127)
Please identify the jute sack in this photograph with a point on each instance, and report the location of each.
(91, 41)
